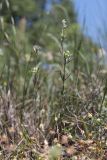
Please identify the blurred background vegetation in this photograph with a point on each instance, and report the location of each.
(24, 26)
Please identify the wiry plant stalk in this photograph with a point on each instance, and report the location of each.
(66, 57)
(64, 61)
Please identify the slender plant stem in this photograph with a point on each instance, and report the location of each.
(64, 62)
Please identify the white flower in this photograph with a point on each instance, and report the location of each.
(98, 120)
(64, 23)
(41, 126)
(34, 70)
(67, 53)
(36, 48)
(90, 115)
(56, 119)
